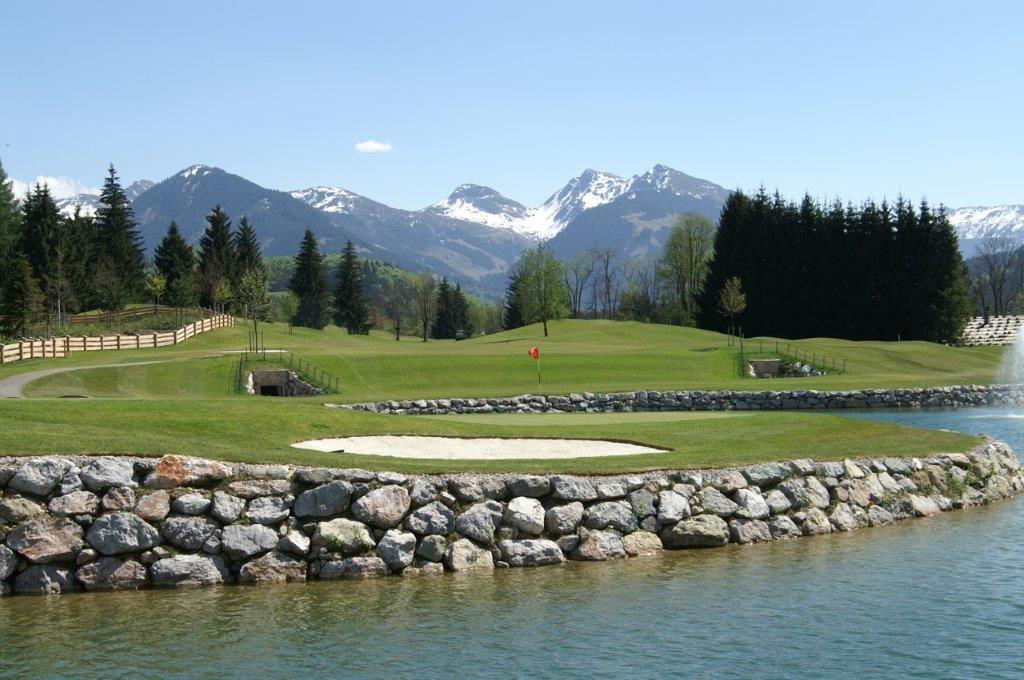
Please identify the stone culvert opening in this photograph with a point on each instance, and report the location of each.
(279, 383)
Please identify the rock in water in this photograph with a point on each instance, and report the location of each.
(122, 532)
(642, 543)
(184, 571)
(111, 573)
(274, 567)
(743, 531)
(563, 519)
(343, 536)
(596, 545)
(702, 531)
(530, 552)
(354, 567)
(464, 555)
(188, 533)
(396, 549)
(45, 579)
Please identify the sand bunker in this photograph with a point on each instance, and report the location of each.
(479, 448)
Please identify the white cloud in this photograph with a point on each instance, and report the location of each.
(60, 187)
(373, 146)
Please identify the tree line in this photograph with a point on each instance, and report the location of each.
(865, 272)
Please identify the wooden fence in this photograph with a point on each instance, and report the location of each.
(62, 347)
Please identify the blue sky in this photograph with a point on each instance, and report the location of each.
(867, 99)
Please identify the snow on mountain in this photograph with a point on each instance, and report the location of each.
(665, 179)
(482, 205)
(88, 203)
(999, 221)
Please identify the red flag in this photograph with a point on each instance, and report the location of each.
(535, 353)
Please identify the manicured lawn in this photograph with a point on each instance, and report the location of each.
(578, 356)
(261, 430)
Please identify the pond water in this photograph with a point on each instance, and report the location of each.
(930, 598)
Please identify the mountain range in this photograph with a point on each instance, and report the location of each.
(475, 234)
(472, 236)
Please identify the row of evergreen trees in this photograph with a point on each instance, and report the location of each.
(347, 304)
(871, 271)
(55, 265)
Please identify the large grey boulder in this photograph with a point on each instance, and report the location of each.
(816, 523)
(596, 545)
(111, 573)
(751, 505)
(100, 474)
(269, 509)
(766, 474)
(525, 514)
(842, 518)
(714, 502)
(274, 567)
(189, 571)
(672, 507)
(187, 533)
(530, 552)
(742, 530)
(45, 579)
(39, 476)
(432, 518)
(480, 521)
(294, 542)
(879, 516)
(464, 555)
(154, 507)
(777, 502)
(563, 519)
(922, 505)
(615, 514)
(725, 481)
(531, 486)
(240, 542)
(225, 507)
(781, 526)
(432, 548)
(397, 549)
(701, 531)
(191, 504)
(122, 532)
(253, 488)
(421, 492)
(324, 501)
(642, 501)
(642, 543)
(46, 539)
(572, 488)
(74, 503)
(343, 536)
(817, 494)
(795, 491)
(382, 508)
(354, 567)
(8, 562)
(16, 510)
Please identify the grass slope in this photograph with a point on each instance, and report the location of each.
(261, 430)
(578, 356)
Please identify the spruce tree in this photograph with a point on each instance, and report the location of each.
(216, 256)
(121, 265)
(351, 310)
(443, 327)
(247, 248)
(512, 314)
(310, 285)
(175, 259)
(10, 223)
(461, 313)
(21, 298)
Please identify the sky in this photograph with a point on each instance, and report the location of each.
(401, 102)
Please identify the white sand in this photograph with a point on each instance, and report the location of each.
(456, 448)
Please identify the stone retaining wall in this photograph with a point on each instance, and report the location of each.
(107, 523)
(700, 400)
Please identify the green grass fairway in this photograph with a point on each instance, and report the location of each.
(578, 356)
(261, 430)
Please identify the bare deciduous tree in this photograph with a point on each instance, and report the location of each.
(578, 271)
(424, 300)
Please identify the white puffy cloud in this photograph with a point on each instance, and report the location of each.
(60, 187)
(373, 146)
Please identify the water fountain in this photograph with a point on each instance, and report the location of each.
(1011, 370)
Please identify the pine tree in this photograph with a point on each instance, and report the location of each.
(351, 310)
(82, 261)
(461, 313)
(44, 244)
(175, 259)
(121, 264)
(21, 298)
(512, 313)
(10, 223)
(310, 285)
(216, 256)
(443, 327)
(247, 248)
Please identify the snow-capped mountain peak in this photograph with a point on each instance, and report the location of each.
(664, 178)
(328, 199)
(88, 203)
(196, 171)
(998, 221)
(482, 205)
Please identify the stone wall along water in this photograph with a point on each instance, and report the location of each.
(107, 523)
(700, 400)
